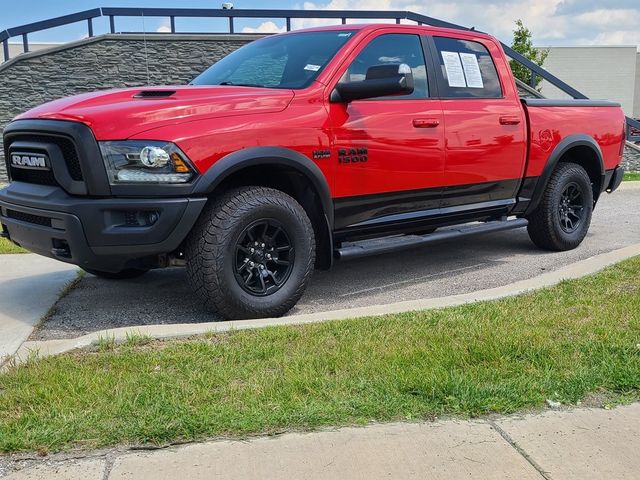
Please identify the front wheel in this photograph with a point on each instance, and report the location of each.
(251, 254)
(561, 220)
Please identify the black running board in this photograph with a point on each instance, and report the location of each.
(404, 242)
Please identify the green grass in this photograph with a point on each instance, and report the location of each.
(580, 339)
(7, 247)
(631, 176)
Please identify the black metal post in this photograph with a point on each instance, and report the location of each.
(533, 83)
(25, 43)
(5, 48)
(90, 26)
(288, 24)
(344, 21)
(112, 24)
(231, 25)
(173, 24)
(397, 21)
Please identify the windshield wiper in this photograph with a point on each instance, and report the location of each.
(242, 84)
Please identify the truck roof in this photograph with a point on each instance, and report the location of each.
(377, 26)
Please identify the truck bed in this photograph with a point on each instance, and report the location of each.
(551, 122)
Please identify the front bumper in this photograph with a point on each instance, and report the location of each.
(108, 234)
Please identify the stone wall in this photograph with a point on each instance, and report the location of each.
(108, 61)
(632, 160)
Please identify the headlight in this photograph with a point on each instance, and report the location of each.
(145, 162)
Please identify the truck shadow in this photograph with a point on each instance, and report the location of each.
(164, 296)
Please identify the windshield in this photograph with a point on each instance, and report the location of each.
(281, 61)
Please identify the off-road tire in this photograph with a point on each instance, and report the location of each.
(545, 222)
(212, 249)
(125, 274)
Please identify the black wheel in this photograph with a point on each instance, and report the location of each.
(251, 254)
(562, 219)
(125, 274)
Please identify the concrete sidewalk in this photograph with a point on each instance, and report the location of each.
(29, 286)
(569, 444)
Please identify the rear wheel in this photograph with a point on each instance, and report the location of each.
(125, 274)
(251, 254)
(562, 219)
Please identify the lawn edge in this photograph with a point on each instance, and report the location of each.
(41, 349)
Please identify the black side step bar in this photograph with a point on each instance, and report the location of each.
(404, 242)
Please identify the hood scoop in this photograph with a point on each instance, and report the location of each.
(154, 94)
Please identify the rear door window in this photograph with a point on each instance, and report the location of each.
(466, 69)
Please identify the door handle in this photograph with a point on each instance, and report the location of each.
(509, 120)
(426, 122)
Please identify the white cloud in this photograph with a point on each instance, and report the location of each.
(610, 19)
(620, 37)
(553, 22)
(265, 27)
(164, 27)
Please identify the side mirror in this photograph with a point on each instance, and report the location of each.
(380, 81)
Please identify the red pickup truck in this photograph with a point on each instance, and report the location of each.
(302, 148)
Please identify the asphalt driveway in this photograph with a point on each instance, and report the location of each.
(463, 266)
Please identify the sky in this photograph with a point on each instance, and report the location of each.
(553, 22)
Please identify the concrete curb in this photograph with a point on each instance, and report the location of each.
(577, 270)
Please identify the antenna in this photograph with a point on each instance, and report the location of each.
(146, 54)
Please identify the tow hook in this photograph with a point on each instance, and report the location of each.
(61, 248)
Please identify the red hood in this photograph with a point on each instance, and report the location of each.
(119, 114)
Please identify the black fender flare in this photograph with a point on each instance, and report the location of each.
(255, 156)
(572, 141)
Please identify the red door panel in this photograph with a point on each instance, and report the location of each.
(404, 167)
(486, 140)
(404, 142)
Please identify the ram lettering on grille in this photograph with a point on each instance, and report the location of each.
(31, 161)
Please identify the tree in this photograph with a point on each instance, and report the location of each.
(522, 44)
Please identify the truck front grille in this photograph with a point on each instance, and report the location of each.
(41, 177)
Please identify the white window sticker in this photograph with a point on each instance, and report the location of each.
(472, 70)
(453, 67)
(312, 68)
(346, 34)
